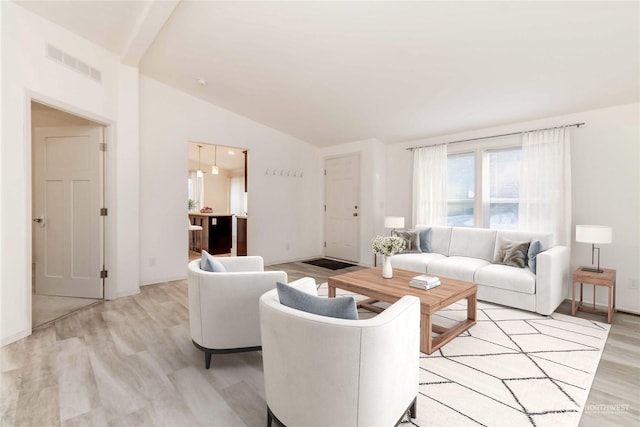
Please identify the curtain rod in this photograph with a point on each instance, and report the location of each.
(495, 136)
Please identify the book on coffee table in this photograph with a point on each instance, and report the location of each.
(424, 282)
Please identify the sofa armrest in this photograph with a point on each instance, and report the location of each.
(552, 273)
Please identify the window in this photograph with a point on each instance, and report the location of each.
(460, 189)
(196, 190)
(483, 188)
(504, 188)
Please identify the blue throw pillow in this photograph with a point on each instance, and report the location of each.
(534, 249)
(341, 307)
(209, 263)
(425, 240)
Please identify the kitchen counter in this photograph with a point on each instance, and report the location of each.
(196, 213)
(216, 231)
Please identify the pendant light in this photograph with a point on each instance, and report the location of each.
(214, 168)
(199, 172)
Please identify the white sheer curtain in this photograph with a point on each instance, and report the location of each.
(545, 183)
(430, 185)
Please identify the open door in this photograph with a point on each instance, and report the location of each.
(67, 227)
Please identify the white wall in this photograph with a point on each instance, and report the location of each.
(27, 72)
(605, 185)
(123, 200)
(284, 214)
(216, 191)
(372, 190)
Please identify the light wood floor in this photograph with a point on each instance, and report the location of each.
(130, 362)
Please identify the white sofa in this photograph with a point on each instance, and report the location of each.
(223, 306)
(322, 371)
(468, 254)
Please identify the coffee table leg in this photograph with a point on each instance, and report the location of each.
(426, 332)
(472, 302)
(332, 291)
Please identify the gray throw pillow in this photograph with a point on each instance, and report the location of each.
(209, 263)
(425, 240)
(501, 248)
(411, 239)
(534, 249)
(516, 254)
(340, 307)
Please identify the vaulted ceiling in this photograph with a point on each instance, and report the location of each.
(334, 72)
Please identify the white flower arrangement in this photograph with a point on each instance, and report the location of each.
(388, 245)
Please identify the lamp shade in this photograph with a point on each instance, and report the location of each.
(593, 234)
(393, 222)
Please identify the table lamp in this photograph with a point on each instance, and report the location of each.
(393, 222)
(593, 234)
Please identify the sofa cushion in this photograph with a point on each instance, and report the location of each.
(415, 262)
(534, 249)
(340, 307)
(473, 242)
(503, 245)
(507, 277)
(521, 236)
(209, 263)
(439, 238)
(516, 255)
(456, 267)
(411, 240)
(425, 239)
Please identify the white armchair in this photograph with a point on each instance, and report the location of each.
(223, 307)
(323, 371)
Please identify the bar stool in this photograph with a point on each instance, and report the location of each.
(193, 237)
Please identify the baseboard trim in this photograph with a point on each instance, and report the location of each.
(624, 310)
(15, 337)
(158, 281)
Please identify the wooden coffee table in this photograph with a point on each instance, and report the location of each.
(369, 282)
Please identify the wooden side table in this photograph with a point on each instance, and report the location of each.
(606, 278)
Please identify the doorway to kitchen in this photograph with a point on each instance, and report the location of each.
(217, 181)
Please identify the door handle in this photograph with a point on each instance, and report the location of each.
(39, 220)
(355, 214)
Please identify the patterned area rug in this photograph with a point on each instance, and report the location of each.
(513, 368)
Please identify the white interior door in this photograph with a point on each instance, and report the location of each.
(342, 208)
(67, 225)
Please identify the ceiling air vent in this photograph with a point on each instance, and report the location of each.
(70, 61)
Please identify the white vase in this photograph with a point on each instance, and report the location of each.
(387, 270)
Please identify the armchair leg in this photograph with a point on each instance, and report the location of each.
(413, 409)
(272, 418)
(207, 359)
(210, 351)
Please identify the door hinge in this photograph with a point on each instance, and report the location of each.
(325, 244)
(325, 208)
(104, 212)
(104, 274)
(103, 146)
